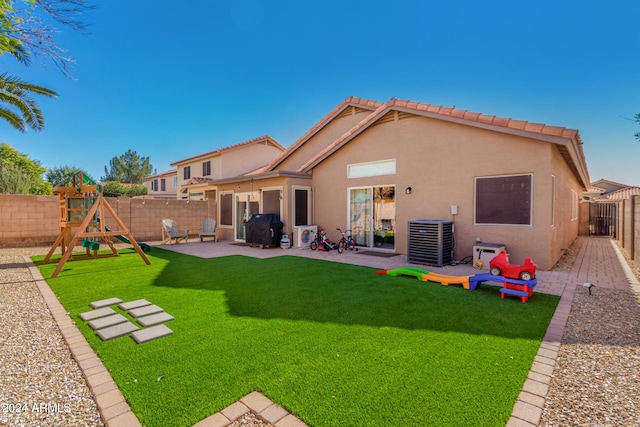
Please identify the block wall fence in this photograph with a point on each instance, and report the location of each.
(34, 220)
(629, 227)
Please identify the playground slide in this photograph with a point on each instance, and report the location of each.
(407, 271)
(427, 276)
(443, 279)
(143, 246)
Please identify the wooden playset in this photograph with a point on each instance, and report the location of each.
(84, 213)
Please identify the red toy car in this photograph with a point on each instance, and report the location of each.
(499, 266)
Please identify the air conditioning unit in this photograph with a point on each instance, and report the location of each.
(430, 242)
(303, 235)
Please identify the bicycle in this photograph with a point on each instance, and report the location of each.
(320, 242)
(346, 241)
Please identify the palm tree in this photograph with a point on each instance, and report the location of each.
(17, 93)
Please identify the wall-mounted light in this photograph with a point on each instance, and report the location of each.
(407, 190)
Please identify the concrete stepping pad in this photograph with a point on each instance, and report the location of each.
(105, 302)
(105, 322)
(116, 331)
(154, 319)
(126, 306)
(145, 311)
(152, 333)
(96, 314)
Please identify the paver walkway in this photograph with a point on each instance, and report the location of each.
(599, 262)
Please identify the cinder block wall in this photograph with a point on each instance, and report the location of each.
(28, 220)
(33, 220)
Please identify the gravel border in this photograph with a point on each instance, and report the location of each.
(40, 381)
(596, 379)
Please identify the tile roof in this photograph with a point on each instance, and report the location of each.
(607, 181)
(351, 101)
(197, 180)
(470, 118)
(622, 194)
(166, 173)
(264, 138)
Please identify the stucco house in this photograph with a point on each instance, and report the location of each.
(195, 174)
(607, 202)
(162, 185)
(373, 167)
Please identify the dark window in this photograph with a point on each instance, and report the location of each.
(187, 172)
(504, 200)
(226, 209)
(301, 204)
(154, 186)
(163, 185)
(271, 202)
(206, 168)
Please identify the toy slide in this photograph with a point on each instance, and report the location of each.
(407, 271)
(143, 246)
(446, 280)
(513, 287)
(427, 276)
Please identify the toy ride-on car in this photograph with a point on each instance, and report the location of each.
(499, 266)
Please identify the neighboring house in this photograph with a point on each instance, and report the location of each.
(372, 167)
(608, 199)
(194, 174)
(162, 185)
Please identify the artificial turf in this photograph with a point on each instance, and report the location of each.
(335, 344)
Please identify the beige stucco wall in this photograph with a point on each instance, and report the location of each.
(285, 184)
(440, 160)
(230, 163)
(324, 137)
(170, 188)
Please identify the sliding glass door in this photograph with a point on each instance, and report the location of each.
(372, 216)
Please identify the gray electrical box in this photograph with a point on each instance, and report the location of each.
(430, 242)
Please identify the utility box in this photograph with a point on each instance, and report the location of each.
(485, 252)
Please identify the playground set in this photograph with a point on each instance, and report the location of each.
(512, 278)
(83, 215)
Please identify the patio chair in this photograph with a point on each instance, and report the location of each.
(171, 232)
(208, 229)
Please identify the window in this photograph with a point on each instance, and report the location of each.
(505, 200)
(154, 185)
(206, 168)
(301, 206)
(226, 209)
(175, 181)
(271, 202)
(574, 205)
(163, 184)
(382, 167)
(187, 172)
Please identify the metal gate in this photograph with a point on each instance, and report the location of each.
(602, 219)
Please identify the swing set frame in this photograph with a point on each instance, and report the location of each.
(83, 216)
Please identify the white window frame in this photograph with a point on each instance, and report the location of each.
(367, 169)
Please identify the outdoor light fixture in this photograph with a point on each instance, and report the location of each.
(407, 190)
(588, 286)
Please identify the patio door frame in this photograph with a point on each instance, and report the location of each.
(365, 233)
(245, 205)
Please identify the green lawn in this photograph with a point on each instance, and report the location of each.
(335, 344)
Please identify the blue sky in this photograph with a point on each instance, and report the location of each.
(171, 80)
